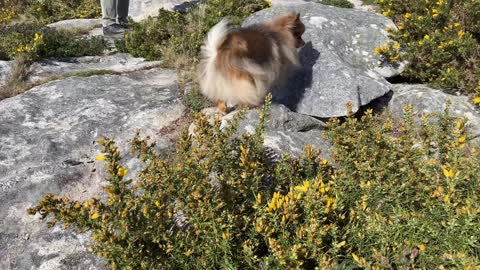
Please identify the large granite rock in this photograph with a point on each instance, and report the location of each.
(286, 132)
(47, 145)
(338, 61)
(116, 63)
(427, 100)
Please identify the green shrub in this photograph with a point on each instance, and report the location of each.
(336, 3)
(48, 11)
(402, 195)
(439, 39)
(176, 37)
(38, 41)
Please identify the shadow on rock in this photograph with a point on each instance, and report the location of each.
(293, 92)
(185, 6)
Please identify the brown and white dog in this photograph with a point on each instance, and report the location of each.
(240, 66)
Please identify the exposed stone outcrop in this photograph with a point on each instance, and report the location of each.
(338, 61)
(47, 145)
(427, 100)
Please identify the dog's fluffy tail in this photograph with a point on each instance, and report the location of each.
(208, 76)
(214, 39)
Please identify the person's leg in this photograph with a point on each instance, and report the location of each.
(122, 11)
(109, 11)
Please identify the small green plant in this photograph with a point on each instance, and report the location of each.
(402, 195)
(195, 101)
(440, 40)
(336, 3)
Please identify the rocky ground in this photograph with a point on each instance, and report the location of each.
(48, 134)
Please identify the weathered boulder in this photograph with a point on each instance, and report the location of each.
(338, 61)
(427, 100)
(286, 132)
(117, 63)
(47, 145)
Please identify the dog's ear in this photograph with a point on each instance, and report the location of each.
(288, 21)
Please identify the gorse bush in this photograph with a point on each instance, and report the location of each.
(440, 40)
(174, 36)
(48, 11)
(37, 41)
(401, 196)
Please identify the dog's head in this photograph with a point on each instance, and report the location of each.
(292, 23)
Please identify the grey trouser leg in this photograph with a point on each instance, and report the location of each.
(122, 11)
(114, 10)
(109, 11)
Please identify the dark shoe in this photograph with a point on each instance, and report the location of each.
(114, 29)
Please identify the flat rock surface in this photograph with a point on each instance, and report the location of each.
(427, 100)
(117, 63)
(338, 61)
(47, 145)
(76, 24)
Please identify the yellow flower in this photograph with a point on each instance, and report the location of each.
(448, 173)
(426, 37)
(435, 15)
(446, 199)
(157, 203)
(95, 216)
(408, 16)
(355, 257)
(462, 139)
(450, 42)
(341, 244)
(422, 247)
(456, 24)
(122, 171)
(304, 187)
(386, 13)
(476, 100)
(420, 43)
(259, 199)
(461, 33)
(100, 158)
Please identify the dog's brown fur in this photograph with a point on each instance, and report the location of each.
(240, 66)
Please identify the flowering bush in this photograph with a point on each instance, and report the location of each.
(6, 12)
(440, 40)
(401, 195)
(37, 42)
